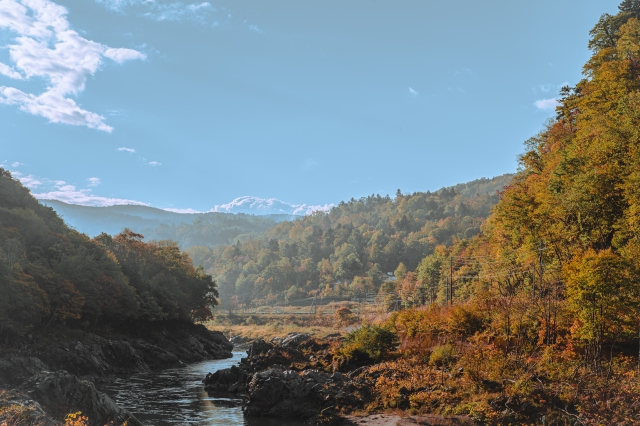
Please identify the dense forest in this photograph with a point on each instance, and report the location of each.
(350, 250)
(51, 273)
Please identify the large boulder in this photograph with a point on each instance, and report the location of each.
(15, 370)
(226, 382)
(61, 393)
(285, 393)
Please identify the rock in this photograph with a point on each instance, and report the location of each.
(259, 347)
(16, 408)
(61, 393)
(294, 340)
(228, 381)
(239, 341)
(15, 370)
(281, 393)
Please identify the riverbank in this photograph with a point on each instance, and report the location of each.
(48, 374)
(306, 378)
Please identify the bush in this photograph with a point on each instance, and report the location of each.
(442, 356)
(344, 315)
(369, 343)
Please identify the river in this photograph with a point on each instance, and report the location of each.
(176, 396)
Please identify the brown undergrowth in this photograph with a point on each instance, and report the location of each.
(450, 362)
(267, 327)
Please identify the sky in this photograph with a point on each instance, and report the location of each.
(198, 106)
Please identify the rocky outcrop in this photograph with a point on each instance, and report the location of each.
(61, 393)
(15, 370)
(52, 374)
(97, 357)
(16, 408)
(292, 378)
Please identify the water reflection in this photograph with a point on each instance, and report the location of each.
(176, 396)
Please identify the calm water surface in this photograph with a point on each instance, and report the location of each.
(177, 397)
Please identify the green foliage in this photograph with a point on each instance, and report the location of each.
(51, 273)
(442, 356)
(369, 343)
(352, 247)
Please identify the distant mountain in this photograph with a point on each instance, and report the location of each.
(207, 229)
(256, 205)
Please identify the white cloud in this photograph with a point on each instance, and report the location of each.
(10, 72)
(413, 92)
(256, 205)
(126, 149)
(546, 104)
(17, 164)
(154, 163)
(29, 181)
(45, 47)
(255, 29)
(121, 55)
(62, 191)
(94, 181)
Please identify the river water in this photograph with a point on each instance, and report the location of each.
(176, 396)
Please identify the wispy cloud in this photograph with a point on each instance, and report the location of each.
(456, 89)
(413, 92)
(549, 87)
(308, 164)
(139, 157)
(45, 47)
(60, 190)
(94, 181)
(17, 164)
(29, 181)
(546, 104)
(174, 11)
(179, 11)
(202, 12)
(463, 71)
(10, 72)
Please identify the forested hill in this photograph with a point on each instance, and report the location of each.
(354, 245)
(52, 273)
(207, 229)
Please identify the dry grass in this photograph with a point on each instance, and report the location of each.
(269, 326)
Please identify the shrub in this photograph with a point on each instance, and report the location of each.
(369, 343)
(344, 315)
(442, 356)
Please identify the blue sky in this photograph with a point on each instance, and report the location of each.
(189, 105)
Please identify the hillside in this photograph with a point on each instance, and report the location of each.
(50, 273)
(207, 229)
(349, 250)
